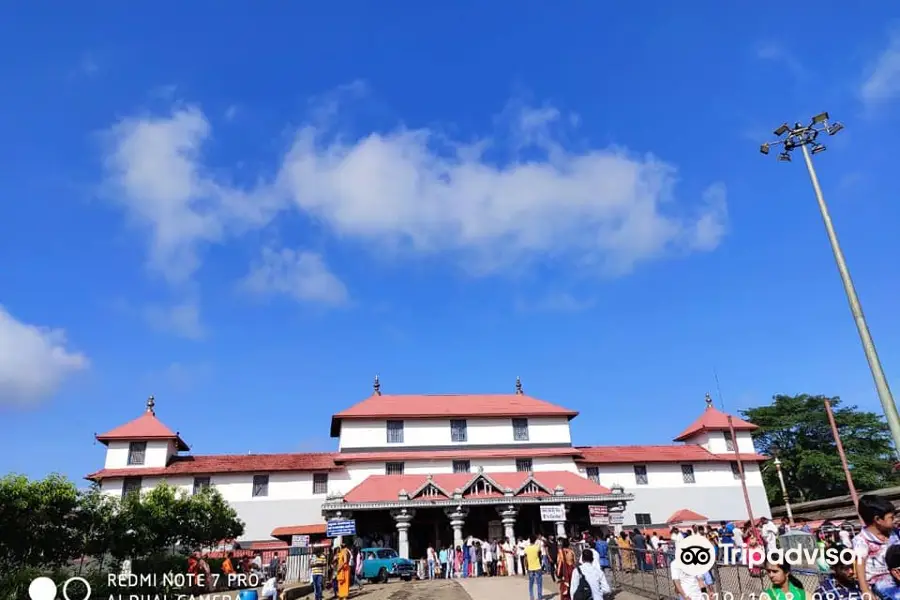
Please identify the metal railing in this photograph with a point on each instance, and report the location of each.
(647, 573)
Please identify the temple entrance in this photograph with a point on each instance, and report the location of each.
(429, 527)
(528, 522)
(376, 526)
(483, 523)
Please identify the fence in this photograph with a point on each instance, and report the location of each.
(647, 573)
(297, 565)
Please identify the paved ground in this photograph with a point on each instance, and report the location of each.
(481, 588)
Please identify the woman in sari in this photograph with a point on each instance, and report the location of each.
(565, 566)
(627, 552)
(342, 572)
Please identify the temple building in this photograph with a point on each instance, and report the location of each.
(426, 469)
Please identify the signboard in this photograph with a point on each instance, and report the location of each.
(553, 513)
(340, 528)
(599, 514)
(300, 540)
(616, 519)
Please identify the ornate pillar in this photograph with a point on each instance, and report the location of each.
(403, 516)
(508, 514)
(561, 525)
(457, 516)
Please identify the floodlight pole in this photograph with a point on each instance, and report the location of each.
(803, 136)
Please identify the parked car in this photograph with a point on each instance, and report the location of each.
(381, 564)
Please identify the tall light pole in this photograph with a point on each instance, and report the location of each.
(805, 137)
(784, 494)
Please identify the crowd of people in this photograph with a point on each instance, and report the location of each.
(870, 569)
(534, 557)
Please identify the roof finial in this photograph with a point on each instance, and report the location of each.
(151, 402)
(519, 391)
(376, 387)
(709, 401)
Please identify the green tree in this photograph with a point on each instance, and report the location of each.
(207, 519)
(95, 521)
(38, 524)
(797, 430)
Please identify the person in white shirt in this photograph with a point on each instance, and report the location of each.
(689, 587)
(676, 535)
(739, 543)
(520, 555)
(593, 575)
(654, 541)
(844, 534)
(769, 534)
(270, 589)
(509, 555)
(487, 557)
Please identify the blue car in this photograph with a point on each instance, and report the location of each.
(381, 564)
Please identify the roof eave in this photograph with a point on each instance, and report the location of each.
(179, 443)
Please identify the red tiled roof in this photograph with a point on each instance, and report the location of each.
(145, 427)
(380, 488)
(685, 514)
(713, 419)
(427, 406)
(345, 457)
(316, 529)
(228, 463)
(650, 454)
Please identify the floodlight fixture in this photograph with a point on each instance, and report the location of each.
(804, 137)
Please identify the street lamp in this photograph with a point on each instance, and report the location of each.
(784, 494)
(806, 137)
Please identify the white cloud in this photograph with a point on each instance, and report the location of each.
(775, 52)
(181, 319)
(883, 81)
(297, 274)
(555, 302)
(34, 361)
(415, 191)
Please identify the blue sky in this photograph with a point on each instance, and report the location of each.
(249, 212)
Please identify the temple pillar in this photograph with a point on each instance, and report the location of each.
(561, 529)
(457, 516)
(561, 525)
(403, 517)
(508, 514)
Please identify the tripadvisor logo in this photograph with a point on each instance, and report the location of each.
(796, 556)
(695, 555)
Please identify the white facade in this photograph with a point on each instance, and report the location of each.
(292, 498)
(484, 432)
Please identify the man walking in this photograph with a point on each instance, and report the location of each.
(534, 568)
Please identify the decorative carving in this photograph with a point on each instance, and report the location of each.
(519, 391)
(508, 492)
(709, 401)
(559, 490)
(376, 386)
(532, 486)
(403, 516)
(403, 495)
(151, 402)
